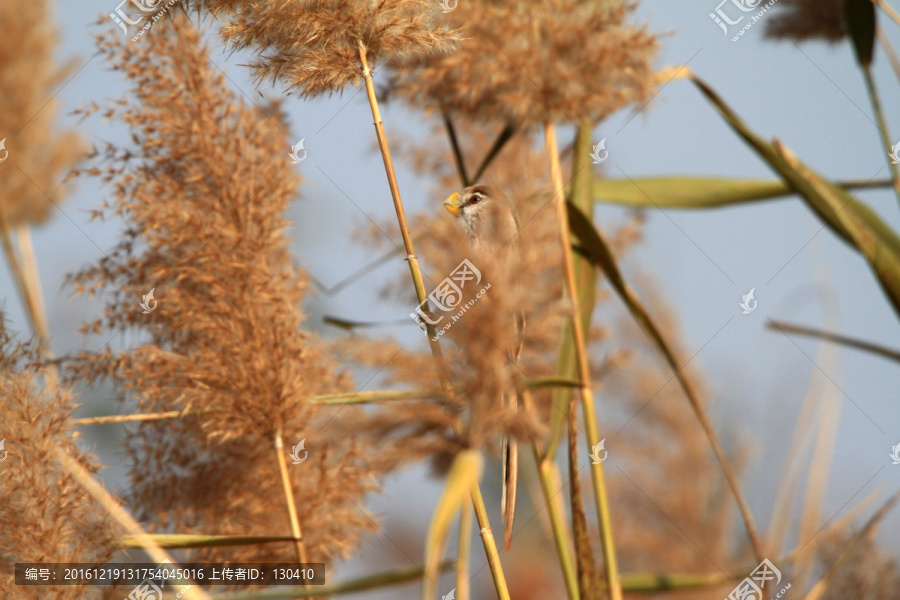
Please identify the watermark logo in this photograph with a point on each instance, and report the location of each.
(721, 18)
(5, 452)
(148, 590)
(296, 157)
(447, 7)
(895, 453)
(895, 153)
(751, 587)
(148, 303)
(121, 19)
(595, 155)
(596, 450)
(748, 303)
(450, 596)
(447, 297)
(736, 7)
(296, 450)
(5, 151)
(124, 20)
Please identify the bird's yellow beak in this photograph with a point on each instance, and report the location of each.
(452, 204)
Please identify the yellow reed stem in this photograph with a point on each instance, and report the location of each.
(120, 515)
(584, 374)
(487, 536)
(289, 499)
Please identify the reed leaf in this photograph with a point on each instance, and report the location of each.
(580, 194)
(849, 342)
(463, 477)
(700, 192)
(552, 382)
(370, 397)
(351, 325)
(187, 540)
(859, 16)
(602, 257)
(852, 220)
(637, 583)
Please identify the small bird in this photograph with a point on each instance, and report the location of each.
(488, 218)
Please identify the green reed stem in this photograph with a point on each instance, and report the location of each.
(551, 485)
(587, 396)
(882, 126)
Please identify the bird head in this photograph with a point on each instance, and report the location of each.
(485, 213)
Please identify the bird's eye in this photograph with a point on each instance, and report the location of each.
(475, 199)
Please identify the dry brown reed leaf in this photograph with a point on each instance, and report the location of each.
(203, 195)
(45, 515)
(312, 46)
(39, 152)
(529, 62)
(802, 20)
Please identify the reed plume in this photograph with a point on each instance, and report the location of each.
(45, 515)
(312, 46)
(803, 20)
(40, 152)
(202, 195)
(529, 62)
(35, 152)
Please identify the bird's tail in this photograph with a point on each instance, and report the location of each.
(509, 447)
(510, 459)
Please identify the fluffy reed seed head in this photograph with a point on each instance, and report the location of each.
(530, 62)
(39, 151)
(312, 46)
(45, 514)
(803, 20)
(203, 194)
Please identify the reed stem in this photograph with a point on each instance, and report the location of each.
(882, 126)
(37, 308)
(587, 395)
(548, 474)
(24, 272)
(289, 499)
(462, 556)
(490, 545)
(487, 536)
(126, 521)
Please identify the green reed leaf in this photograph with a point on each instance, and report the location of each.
(700, 192)
(853, 221)
(463, 476)
(860, 18)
